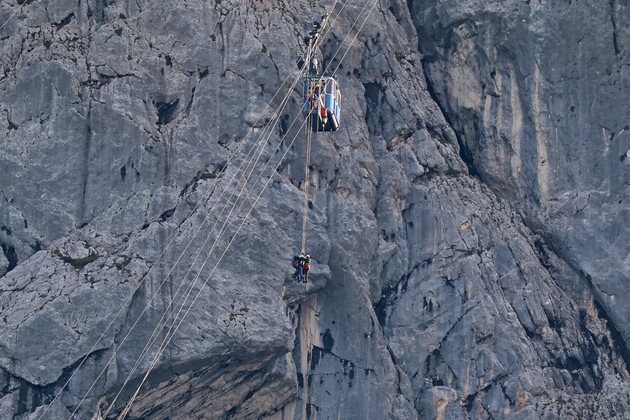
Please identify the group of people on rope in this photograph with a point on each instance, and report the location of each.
(301, 263)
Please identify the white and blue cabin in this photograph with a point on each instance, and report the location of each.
(327, 120)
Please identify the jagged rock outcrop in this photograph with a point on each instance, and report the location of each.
(450, 279)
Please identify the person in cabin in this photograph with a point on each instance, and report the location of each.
(323, 113)
(306, 265)
(314, 96)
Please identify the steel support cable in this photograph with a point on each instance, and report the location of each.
(260, 175)
(152, 340)
(170, 334)
(282, 106)
(193, 285)
(230, 157)
(13, 14)
(162, 348)
(297, 79)
(159, 257)
(172, 267)
(245, 160)
(335, 54)
(251, 164)
(259, 142)
(167, 338)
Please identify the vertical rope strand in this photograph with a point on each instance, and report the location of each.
(307, 181)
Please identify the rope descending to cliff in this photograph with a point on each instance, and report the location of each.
(307, 179)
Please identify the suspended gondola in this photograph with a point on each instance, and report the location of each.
(321, 94)
(322, 102)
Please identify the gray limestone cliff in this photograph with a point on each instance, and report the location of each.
(468, 222)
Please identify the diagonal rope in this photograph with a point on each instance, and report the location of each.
(19, 9)
(224, 229)
(231, 216)
(258, 142)
(171, 335)
(249, 168)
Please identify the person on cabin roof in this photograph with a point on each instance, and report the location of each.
(314, 96)
(305, 263)
(314, 67)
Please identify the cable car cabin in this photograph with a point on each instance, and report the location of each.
(322, 101)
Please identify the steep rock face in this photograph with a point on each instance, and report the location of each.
(537, 92)
(112, 149)
(500, 338)
(139, 122)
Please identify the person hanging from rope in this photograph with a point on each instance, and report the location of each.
(297, 258)
(306, 265)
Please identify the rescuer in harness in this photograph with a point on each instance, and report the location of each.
(296, 264)
(306, 265)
